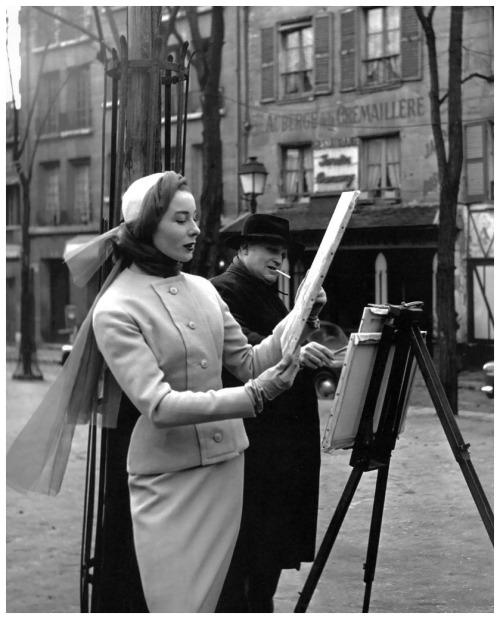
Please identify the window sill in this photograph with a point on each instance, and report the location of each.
(284, 202)
(297, 99)
(380, 87)
(64, 229)
(67, 133)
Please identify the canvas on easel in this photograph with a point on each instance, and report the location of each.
(347, 406)
(368, 415)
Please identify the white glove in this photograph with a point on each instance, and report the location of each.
(315, 355)
(278, 378)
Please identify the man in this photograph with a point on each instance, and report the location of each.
(281, 487)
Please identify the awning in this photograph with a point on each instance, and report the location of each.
(313, 219)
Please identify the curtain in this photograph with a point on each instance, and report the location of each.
(393, 179)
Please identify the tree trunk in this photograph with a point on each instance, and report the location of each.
(450, 169)
(204, 262)
(27, 367)
(208, 66)
(445, 296)
(143, 122)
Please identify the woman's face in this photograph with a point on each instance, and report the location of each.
(177, 231)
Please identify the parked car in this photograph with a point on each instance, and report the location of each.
(489, 379)
(326, 378)
(65, 350)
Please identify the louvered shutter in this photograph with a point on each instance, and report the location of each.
(411, 44)
(475, 162)
(267, 64)
(323, 53)
(348, 50)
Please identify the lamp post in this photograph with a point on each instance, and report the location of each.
(253, 176)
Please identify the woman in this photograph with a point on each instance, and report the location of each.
(165, 336)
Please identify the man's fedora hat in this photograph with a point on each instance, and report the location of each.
(262, 227)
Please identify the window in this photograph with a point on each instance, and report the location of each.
(296, 58)
(296, 171)
(481, 300)
(48, 115)
(78, 114)
(76, 15)
(391, 47)
(46, 27)
(380, 174)
(80, 192)
(50, 213)
(50, 30)
(382, 64)
(13, 205)
(479, 162)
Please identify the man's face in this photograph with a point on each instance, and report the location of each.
(262, 259)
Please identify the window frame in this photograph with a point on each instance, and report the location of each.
(55, 210)
(385, 57)
(286, 28)
(384, 192)
(75, 165)
(302, 147)
(487, 129)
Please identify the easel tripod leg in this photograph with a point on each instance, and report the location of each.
(328, 541)
(375, 528)
(451, 429)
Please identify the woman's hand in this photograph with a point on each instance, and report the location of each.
(278, 378)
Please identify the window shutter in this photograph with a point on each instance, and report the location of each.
(475, 162)
(411, 44)
(348, 50)
(323, 53)
(267, 64)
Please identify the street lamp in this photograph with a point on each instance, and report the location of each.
(253, 176)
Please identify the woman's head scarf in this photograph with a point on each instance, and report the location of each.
(37, 459)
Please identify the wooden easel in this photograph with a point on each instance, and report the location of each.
(372, 450)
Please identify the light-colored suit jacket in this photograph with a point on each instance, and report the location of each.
(165, 341)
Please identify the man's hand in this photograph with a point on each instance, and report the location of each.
(314, 355)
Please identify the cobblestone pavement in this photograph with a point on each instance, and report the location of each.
(434, 555)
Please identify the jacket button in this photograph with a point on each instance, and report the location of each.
(191, 325)
(204, 363)
(218, 437)
(173, 290)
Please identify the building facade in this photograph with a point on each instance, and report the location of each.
(330, 99)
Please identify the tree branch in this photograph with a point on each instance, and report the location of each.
(88, 33)
(488, 78)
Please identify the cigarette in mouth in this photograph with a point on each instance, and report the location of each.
(284, 274)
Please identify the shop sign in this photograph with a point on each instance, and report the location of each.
(335, 169)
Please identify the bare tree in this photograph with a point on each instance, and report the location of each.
(25, 145)
(449, 170)
(207, 61)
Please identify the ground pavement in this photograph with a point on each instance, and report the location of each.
(434, 555)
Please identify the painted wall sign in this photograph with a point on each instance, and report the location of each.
(349, 115)
(335, 169)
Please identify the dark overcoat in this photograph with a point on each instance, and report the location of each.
(282, 463)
